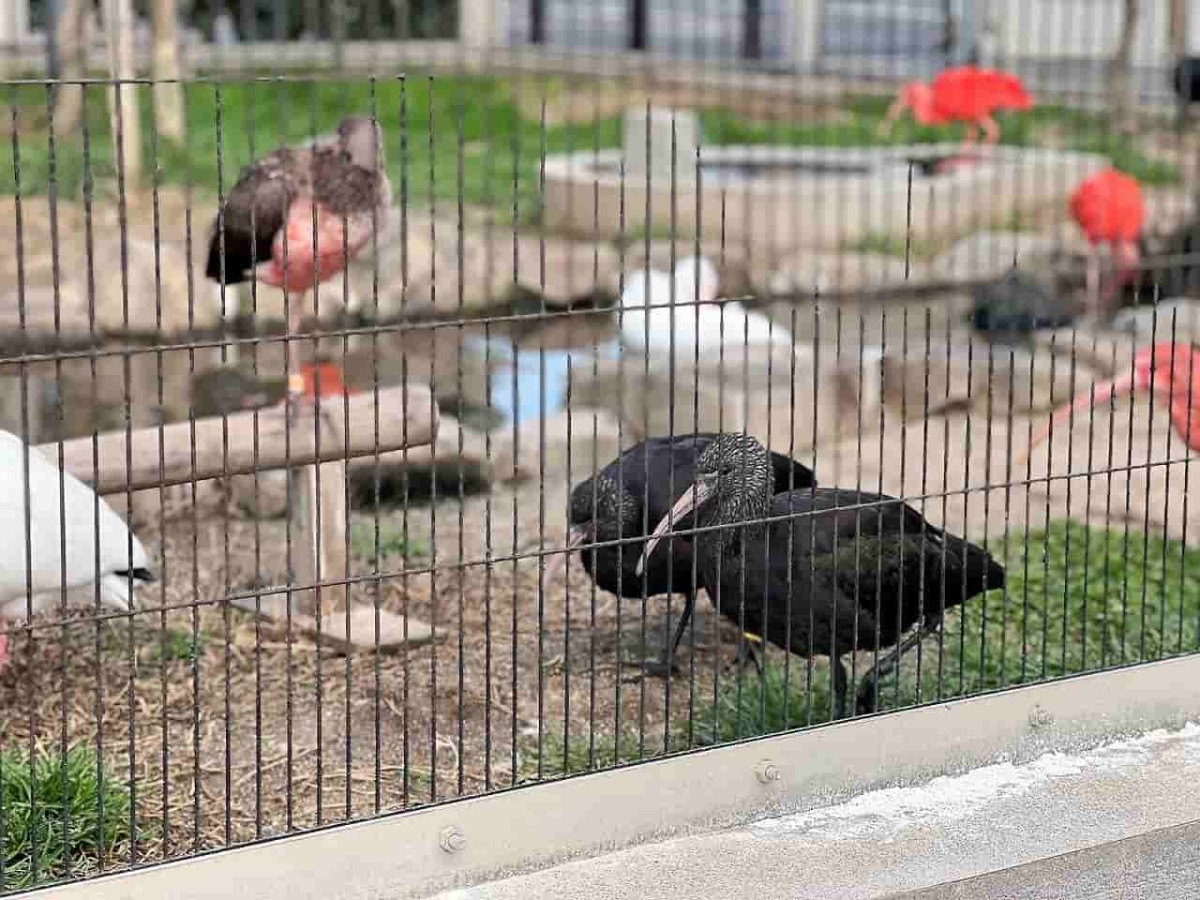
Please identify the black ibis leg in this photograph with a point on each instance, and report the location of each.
(664, 666)
(747, 652)
(867, 698)
(840, 689)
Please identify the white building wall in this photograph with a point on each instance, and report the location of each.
(14, 20)
(1066, 29)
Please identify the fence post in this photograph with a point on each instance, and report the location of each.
(806, 33)
(479, 29)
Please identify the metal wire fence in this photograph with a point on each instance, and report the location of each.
(392, 412)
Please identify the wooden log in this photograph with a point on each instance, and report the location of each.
(284, 438)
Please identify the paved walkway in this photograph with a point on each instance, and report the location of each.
(1076, 825)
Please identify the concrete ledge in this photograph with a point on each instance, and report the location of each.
(818, 197)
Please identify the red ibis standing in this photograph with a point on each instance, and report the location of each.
(962, 94)
(1108, 207)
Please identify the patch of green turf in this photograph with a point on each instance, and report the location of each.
(392, 542)
(442, 134)
(61, 815)
(581, 753)
(439, 132)
(178, 645)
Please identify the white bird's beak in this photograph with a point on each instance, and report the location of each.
(114, 588)
(691, 499)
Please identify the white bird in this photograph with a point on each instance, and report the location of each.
(42, 561)
(689, 324)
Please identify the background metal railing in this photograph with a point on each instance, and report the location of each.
(356, 608)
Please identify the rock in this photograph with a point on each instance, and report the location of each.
(459, 454)
(1170, 320)
(145, 509)
(458, 370)
(560, 271)
(755, 395)
(991, 254)
(140, 289)
(840, 272)
(405, 256)
(643, 400)
(1016, 303)
(564, 446)
(269, 500)
(225, 389)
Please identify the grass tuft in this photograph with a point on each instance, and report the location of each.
(42, 797)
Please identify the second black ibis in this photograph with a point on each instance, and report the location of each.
(820, 571)
(623, 500)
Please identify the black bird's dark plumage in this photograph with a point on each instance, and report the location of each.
(840, 570)
(621, 502)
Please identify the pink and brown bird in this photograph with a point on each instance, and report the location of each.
(298, 216)
(1109, 209)
(962, 94)
(1171, 372)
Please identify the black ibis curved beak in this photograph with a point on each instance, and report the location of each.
(691, 499)
(576, 535)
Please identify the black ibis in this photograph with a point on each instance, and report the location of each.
(624, 499)
(297, 216)
(829, 571)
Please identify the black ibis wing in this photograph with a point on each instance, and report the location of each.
(254, 211)
(881, 554)
(789, 474)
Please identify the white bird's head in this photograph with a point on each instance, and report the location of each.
(116, 588)
(119, 582)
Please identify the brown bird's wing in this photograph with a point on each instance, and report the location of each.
(254, 211)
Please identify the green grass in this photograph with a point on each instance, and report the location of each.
(453, 128)
(579, 753)
(461, 129)
(40, 799)
(1078, 599)
(895, 245)
(176, 645)
(392, 542)
(1077, 130)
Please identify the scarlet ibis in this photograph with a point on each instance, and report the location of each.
(821, 570)
(655, 319)
(1108, 207)
(961, 94)
(1170, 371)
(623, 499)
(297, 216)
(55, 547)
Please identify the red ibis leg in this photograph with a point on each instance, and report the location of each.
(1092, 283)
(889, 119)
(991, 130)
